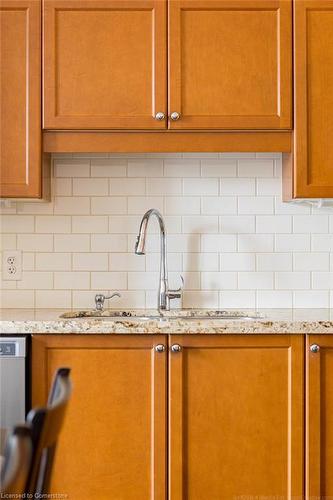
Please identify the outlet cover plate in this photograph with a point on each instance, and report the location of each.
(12, 265)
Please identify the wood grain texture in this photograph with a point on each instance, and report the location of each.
(20, 99)
(319, 418)
(163, 142)
(230, 64)
(104, 64)
(313, 97)
(236, 417)
(113, 444)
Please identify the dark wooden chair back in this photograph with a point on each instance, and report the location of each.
(46, 424)
(17, 461)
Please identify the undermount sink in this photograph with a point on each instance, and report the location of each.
(145, 315)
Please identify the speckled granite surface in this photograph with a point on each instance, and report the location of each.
(273, 321)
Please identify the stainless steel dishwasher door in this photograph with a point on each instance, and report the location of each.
(12, 382)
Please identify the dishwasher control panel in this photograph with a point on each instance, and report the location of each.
(12, 347)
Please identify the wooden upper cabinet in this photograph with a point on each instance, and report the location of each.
(308, 172)
(20, 98)
(236, 417)
(320, 417)
(113, 443)
(230, 64)
(104, 64)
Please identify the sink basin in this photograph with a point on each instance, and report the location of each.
(176, 314)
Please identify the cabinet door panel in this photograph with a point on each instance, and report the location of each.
(20, 96)
(230, 63)
(104, 63)
(236, 417)
(113, 441)
(313, 53)
(320, 417)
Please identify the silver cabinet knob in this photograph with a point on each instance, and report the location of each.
(159, 116)
(160, 348)
(175, 116)
(314, 348)
(176, 348)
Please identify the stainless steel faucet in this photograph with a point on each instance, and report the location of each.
(164, 293)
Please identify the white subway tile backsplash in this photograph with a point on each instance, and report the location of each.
(164, 186)
(128, 187)
(180, 205)
(237, 224)
(310, 224)
(17, 223)
(52, 224)
(200, 224)
(255, 280)
(292, 280)
(218, 168)
(72, 168)
(12, 299)
(35, 242)
(70, 243)
(218, 243)
(255, 205)
(109, 280)
(53, 261)
(182, 168)
(207, 186)
(108, 205)
(90, 224)
(237, 262)
(145, 167)
(71, 205)
(72, 280)
(108, 243)
(238, 299)
(90, 187)
(238, 187)
(35, 281)
(53, 299)
(311, 261)
(218, 280)
(221, 205)
(90, 262)
(292, 242)
(273, 224)
(313, 299)
(280, 299)
(256, 168)
(274, 262)
(228, 233)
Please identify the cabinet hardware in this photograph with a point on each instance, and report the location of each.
(159, 116)
(176, 348)
(175, 116)
(314, 348)
(160, 348)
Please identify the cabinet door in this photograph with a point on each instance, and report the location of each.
(104, 64)
(230, 63)
(20, 98)
(236, 417)
(313, 54)
(319, 417)
(112, 445)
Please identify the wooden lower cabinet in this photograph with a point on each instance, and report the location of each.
(112, 446)
(319, 417)
(236, 417)
(234, 423)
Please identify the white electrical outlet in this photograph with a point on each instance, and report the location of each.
(12, 265)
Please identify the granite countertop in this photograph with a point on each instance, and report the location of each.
(269, 321)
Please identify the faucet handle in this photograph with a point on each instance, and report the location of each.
(100, 299)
